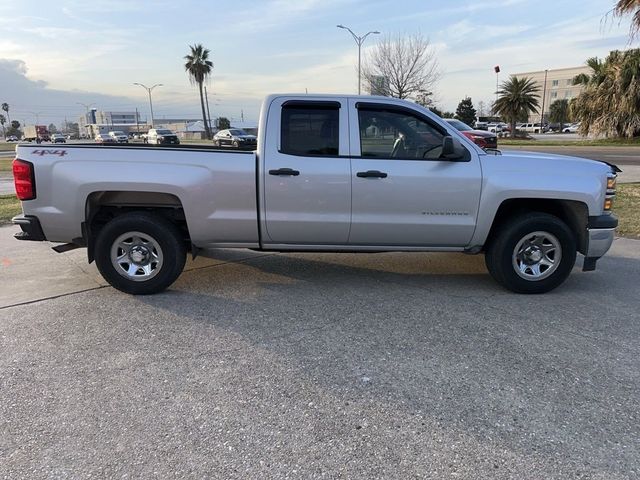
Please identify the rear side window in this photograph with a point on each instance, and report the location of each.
(310, 130)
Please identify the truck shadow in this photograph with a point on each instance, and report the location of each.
(418, 337)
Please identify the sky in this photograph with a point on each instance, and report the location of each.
(56, 56)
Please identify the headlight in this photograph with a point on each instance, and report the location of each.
(612, 179)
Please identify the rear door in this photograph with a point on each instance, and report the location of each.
(404, 193)
(306, 172)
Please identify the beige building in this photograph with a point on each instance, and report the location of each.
(559, 85)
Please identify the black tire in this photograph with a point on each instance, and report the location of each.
(501, 259)
(165, 235)
(236, 144)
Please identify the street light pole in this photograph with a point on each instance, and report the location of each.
(149, 89)
(544, 91)
(37, 115)
(359, 41)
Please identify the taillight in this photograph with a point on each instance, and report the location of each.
(480, 141)
(24, 179)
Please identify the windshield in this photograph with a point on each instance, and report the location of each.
(458, 125)
(164, 132)
(238, 132)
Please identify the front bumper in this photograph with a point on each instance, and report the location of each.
(31, 229)
(600, 231)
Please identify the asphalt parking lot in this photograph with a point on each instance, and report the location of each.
(317, 365)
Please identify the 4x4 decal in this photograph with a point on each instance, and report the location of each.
(60, 153)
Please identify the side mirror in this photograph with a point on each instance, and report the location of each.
(452, 149)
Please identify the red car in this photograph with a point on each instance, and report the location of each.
(482, 138)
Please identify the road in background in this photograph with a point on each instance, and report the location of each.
(617, 155)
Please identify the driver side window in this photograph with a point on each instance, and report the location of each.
(390, 133)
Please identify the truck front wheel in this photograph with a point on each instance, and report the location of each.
(140, 253)
(533, 253)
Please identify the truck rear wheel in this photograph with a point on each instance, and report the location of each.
(140, 253)
(534, 253)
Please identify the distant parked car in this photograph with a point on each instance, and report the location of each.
(532, 128)
(573, 128)
(482, 138)
(234, 137)
(498, 127)
(104, 138)
(162, 136)
(58, 138)
(119, 136)
(11, 138)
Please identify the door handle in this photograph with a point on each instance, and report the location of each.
(371, 174)
(284, 171)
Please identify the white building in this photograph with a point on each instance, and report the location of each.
(558, 85)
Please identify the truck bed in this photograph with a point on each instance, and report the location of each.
(215, 187)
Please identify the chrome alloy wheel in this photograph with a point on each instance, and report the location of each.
(536, 256)
(136, 256)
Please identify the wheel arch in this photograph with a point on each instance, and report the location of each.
(103, 206)
(574, 213)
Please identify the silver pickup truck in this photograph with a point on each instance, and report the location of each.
(331, 173)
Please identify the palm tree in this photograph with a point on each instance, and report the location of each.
(5, 107)
(609, 105)
(559, 112)
(198, 67)
(2, 120)
(629, 7)
(597, 75)
(517, 98)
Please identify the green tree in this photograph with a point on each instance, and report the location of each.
(597, 73)
(559, 112)
(517, 97)
(5, 107)
(436, 110)
(223, 123)
(2, 122)
(609, 105)
(73, 129)
(448, 115)
(14, 129)
(52, 128)
(465, 111)
(198, 67)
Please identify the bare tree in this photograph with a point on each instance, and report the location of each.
(402, 66)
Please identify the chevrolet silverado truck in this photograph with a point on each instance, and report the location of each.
(330, 173)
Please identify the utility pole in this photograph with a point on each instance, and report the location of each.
(544, 91)
(497, 70)
(206, 96)
(359, 42)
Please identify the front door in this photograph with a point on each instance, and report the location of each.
(403, 192)
(306, 173)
